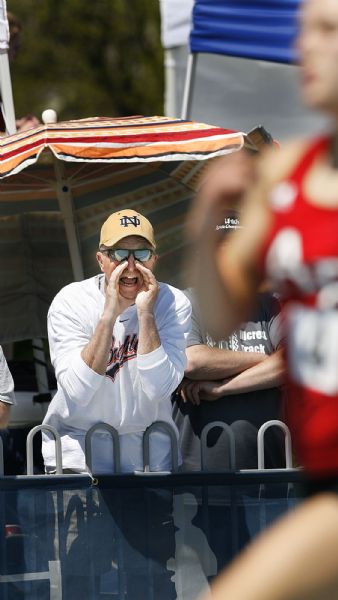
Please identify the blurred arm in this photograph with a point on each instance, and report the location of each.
(226, 274)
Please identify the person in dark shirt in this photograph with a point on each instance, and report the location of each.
(235, 381)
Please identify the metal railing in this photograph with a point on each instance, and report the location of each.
(231, 443)
(156, 426)
(168, 429)
(116, 445)
(29, 448)
(212, 492)
(287, 442)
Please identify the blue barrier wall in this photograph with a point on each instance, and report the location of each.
(135, 537)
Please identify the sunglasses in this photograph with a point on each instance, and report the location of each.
(120, 254)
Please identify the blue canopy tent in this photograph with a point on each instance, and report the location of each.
(254, 29)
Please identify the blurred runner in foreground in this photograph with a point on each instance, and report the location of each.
(235, 380)
(293, 237)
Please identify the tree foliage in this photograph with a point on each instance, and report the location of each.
(82, 58)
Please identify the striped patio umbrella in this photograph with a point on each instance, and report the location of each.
(53, 207)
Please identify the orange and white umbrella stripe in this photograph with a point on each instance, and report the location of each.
(118, 140)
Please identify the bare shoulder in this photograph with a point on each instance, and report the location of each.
(277, 163)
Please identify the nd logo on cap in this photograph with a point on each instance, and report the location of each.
(124, 223)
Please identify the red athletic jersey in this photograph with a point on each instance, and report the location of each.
(301, 255)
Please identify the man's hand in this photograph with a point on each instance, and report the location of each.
(196, 391)
(149, 339)
(147, 295)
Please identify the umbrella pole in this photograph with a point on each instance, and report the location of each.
(65, 201)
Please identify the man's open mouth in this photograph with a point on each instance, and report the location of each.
(128, 281)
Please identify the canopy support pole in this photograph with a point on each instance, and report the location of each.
(189, 86)
(65, 201)
(7, 103)
(170, 108)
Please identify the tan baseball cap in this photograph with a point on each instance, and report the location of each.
(123, 223)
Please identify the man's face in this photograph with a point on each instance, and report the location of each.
(318, 54)
(131, 280)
